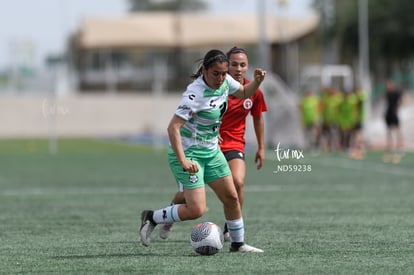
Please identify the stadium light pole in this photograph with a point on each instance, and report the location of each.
(264, 46)
(59, 83)
(284, 49)
(364, 75)
(264, 51)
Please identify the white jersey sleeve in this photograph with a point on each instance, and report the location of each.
(234, 85)
(190, 102)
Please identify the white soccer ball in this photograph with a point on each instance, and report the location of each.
(206, 238)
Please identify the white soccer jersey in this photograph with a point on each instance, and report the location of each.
(203, 108)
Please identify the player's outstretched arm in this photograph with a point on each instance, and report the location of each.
(249, 89)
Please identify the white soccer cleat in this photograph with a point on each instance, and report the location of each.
(146, 227)
(165, 230)
(246, 248)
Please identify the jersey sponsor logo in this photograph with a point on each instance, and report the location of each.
(247, 104)
(183, 107)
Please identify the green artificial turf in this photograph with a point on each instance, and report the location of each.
(77, 212)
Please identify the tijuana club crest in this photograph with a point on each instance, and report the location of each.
(247, 104)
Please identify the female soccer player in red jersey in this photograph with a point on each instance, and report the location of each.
(233, 127)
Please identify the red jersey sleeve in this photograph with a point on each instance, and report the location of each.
(259, 104)
(233, 127)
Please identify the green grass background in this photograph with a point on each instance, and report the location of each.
(78, 212)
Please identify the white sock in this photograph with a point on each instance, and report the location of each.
(168, 214)
(236, 230)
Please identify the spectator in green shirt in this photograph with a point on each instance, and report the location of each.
(331, 98)
(347, 117)
(310, 106)
(357, 140)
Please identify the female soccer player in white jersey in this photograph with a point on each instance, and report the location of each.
(194, 155)
(232, 131)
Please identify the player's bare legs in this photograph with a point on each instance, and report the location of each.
(165, 229)
(193, 208)
(195, 204)
(238, 171)
(227, 194)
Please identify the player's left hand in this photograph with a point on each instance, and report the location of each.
(259, 159)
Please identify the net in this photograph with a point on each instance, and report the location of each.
(282, 121)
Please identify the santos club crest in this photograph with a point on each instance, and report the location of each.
(193, 178)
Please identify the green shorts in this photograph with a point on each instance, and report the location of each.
(210, 169)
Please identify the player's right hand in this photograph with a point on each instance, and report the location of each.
(190, 166)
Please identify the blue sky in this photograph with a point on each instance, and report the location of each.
(37, 28)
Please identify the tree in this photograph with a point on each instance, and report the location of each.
(167, 5)
(391, 31)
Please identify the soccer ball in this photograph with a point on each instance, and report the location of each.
(206, 238)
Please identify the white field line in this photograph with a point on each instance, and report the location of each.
(50, 191)
(392, 169)
(334, 162)
(298, 188)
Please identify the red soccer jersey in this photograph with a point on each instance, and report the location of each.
(233, 125)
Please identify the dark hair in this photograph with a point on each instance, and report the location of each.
(235, 50)
(211, 57)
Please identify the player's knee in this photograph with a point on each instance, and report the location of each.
(239, 183)
(232, 201)
(196, 212)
